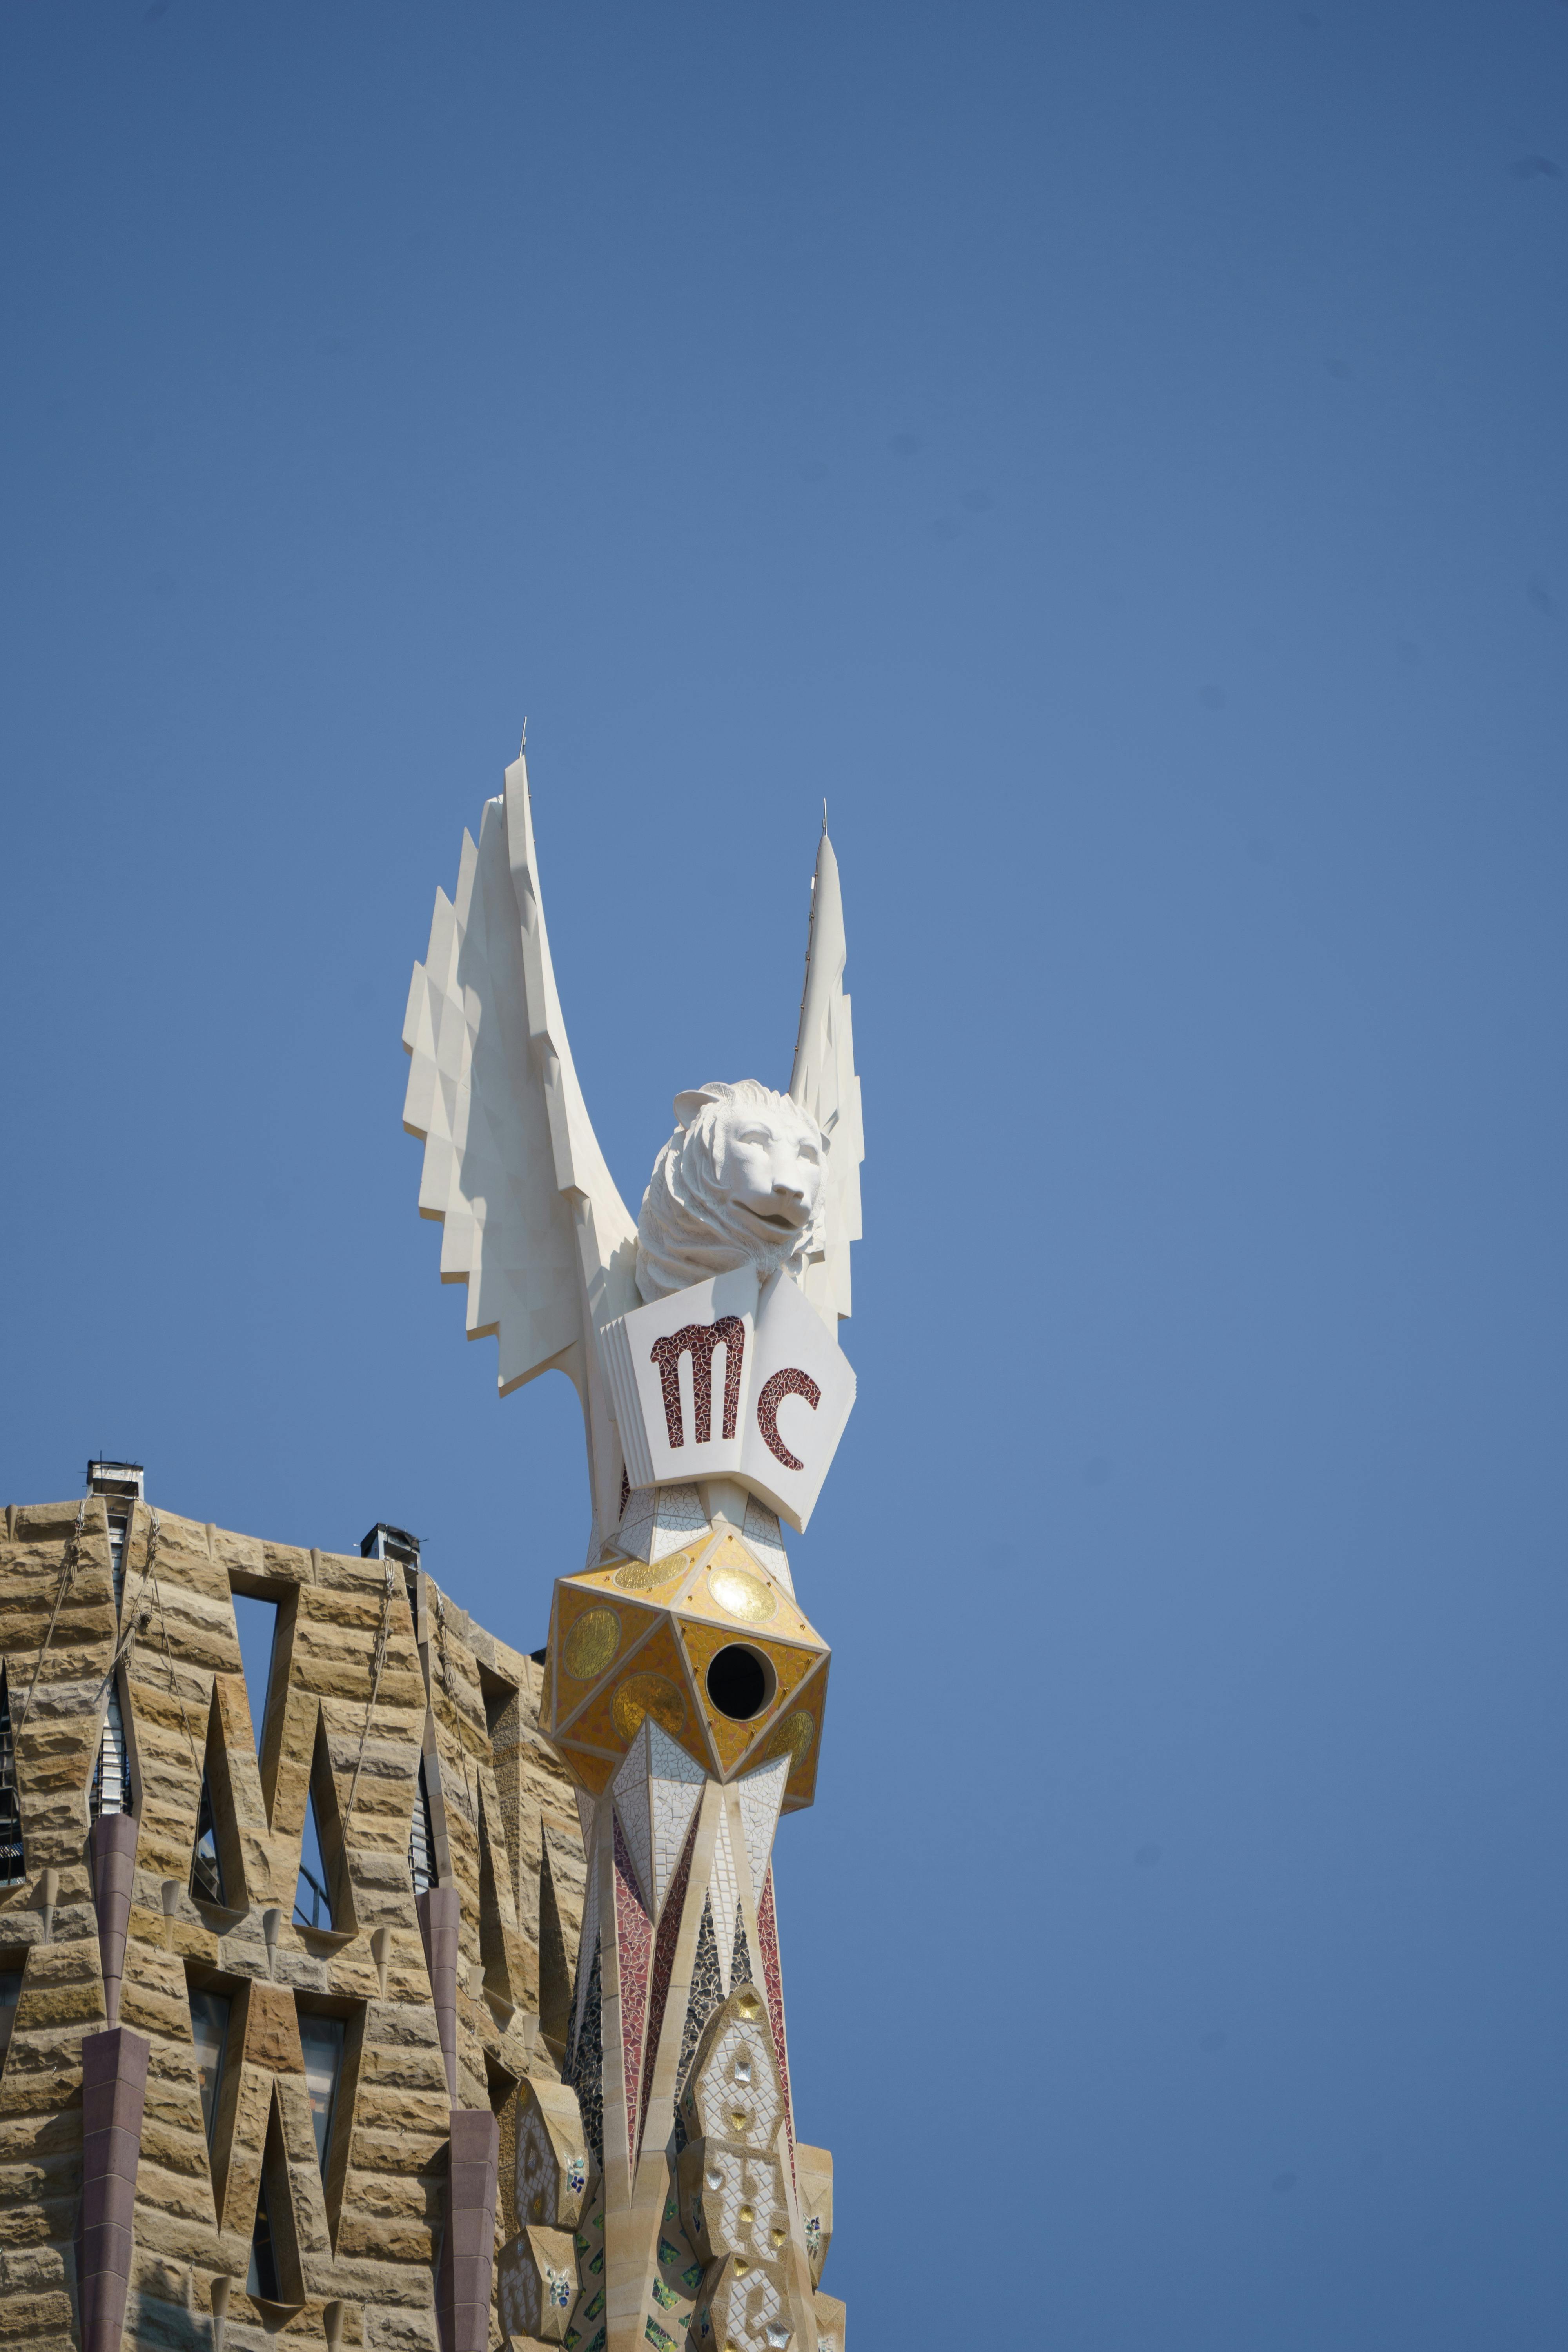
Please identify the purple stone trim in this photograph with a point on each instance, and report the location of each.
(439, 1912)
(114, 2094)
(468, 2243)
(111, 1852)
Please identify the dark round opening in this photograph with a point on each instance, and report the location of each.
(738, 1683)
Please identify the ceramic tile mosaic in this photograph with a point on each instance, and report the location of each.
(587, 2071)
(738, 2094)
(706, 1993)
(743, 2202)
(634, 1945)
(761, 1794)
(791, 1381)
(659, 1519)
(702, 1341)
(741, 1955)
(614, 1707)
(637, 1522)
(680, 1515)
(791, 1663)
(631, 1795)
(764, 1537)
(665, 1942)
(674, 1783)
(773, 1981)
(545, 2189)
(725, 1895)
(587, 1944)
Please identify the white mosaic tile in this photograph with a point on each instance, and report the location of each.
(761, 1794)
(738, 2092)
(675, 1784)
(631, 1794)
(766, 1537)
(679, 1517)
(659, 1520)
(635, 1531)
(725, 1894)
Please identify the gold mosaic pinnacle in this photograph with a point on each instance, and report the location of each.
(709, 1643)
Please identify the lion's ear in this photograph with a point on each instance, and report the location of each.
(696, 1099)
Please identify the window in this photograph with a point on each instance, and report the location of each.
(258, 1626)
(312, 1903)
(119, 1529)
(422, 1838)
(262, 2277)
(10, 1994)
(206, 1870)
(209, 2031)
(121, 1484)
(111, 1779)
(12, 1858)
(322, 2040)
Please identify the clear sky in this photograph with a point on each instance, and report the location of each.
(1115, 453)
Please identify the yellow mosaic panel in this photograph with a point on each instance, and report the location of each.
(797, 1732)
(590, 1771)
(732, 1740)
(736, 1589)
(590, 1636)
(648, 1578)
(587, 1650)
(650, 1679)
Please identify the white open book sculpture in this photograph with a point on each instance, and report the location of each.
(718, 1381)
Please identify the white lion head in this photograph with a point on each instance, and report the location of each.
(739, 1184)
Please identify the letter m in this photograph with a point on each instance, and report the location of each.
(699, 1340)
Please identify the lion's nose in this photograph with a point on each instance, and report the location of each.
(790, 1192)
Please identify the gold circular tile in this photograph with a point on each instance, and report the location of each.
(653, 1694)
(794, 1736)
(648, 1575)
(741, 1594)
(590, 1644)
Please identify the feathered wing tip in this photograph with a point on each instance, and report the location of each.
(531, 1220)
(824, 1082)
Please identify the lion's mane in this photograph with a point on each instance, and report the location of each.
(690, 1228)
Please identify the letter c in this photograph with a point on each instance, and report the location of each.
(791, 1381)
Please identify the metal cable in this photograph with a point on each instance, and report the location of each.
(377, 1663)
(68, 1565)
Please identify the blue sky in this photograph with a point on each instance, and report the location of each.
(1114, 453)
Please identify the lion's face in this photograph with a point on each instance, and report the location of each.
(741, 1180)
(769, 1165)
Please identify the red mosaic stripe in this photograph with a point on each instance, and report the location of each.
(768, 1938)
(634, 1940)
(663, 1962)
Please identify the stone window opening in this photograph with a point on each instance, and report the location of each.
(12, 1851)
(206, 1864)
(321, 2042)
(210, 2014)
(111, 1790)
(422, 1839)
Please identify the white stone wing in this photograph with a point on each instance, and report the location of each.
(531, 1220)
(823, 1082)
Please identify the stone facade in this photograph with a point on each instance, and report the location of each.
(373, 1671)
